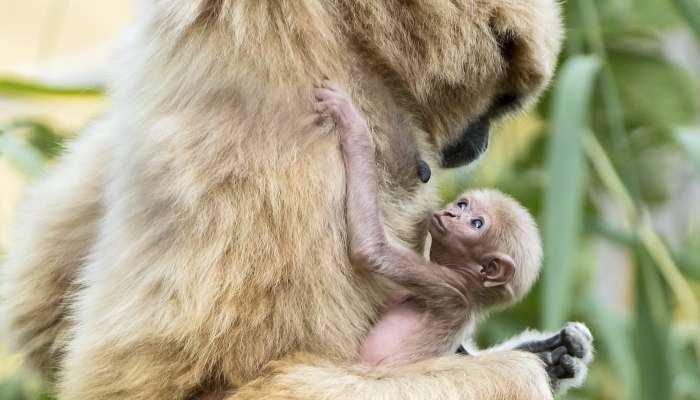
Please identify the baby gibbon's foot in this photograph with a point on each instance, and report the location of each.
(565, 354)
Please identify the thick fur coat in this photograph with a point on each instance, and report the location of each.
(197, 232)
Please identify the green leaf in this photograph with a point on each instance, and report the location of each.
(11, 390)
(40, 135)
(654, 93)
(649, 14)
(655, 14)
(22, 154)
(564, 194)
(652, 333)
(612, 336)
(689, 139)
(690, 10)
(20, 87)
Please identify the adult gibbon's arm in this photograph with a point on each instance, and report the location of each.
(506, 375)
(494, 374)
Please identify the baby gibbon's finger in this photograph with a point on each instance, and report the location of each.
(320, 120)
(322, 108)
(319, 82)
(323, 94)
(331, 86)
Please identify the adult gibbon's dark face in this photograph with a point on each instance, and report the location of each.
(469, 146)
(475, 139)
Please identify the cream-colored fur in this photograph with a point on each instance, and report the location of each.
(197, 233)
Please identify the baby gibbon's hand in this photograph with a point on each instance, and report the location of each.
(332, 102)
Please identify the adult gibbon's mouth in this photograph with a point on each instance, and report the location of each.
(469, 146)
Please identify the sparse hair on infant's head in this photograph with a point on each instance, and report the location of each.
(515, 233)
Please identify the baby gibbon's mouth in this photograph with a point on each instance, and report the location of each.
(436, 221)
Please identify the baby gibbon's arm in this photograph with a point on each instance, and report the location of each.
(368, 243)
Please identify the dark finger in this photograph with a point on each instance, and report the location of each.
(558, 353)
(569, 366)
(546, 358)
(559, 372)
(564, 370)
(573, 345)
(540, 346)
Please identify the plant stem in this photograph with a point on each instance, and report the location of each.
(690, 10)
(642, 224)
(614, 114)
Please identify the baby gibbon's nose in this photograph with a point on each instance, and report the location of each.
(447, 213)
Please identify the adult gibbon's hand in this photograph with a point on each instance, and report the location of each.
(566, 355)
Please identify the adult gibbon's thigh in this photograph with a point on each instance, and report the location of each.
(52, 236)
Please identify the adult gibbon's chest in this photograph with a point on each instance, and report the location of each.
(406, 179)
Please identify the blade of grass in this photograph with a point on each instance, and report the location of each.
(643, 227)
(689, 139)
(684, 257)
(22, 155)
(686, 302)
(613, 334)
(564, 195)
(651, 331)
(40, 136)
(16, 87)
(690, 10)
(614, 114)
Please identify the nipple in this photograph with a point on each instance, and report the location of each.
(424, 172)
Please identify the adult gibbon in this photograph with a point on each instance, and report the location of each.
(194, 240)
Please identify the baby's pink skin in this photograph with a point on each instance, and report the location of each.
(401, 321)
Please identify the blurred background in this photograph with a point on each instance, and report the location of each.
(609, 161)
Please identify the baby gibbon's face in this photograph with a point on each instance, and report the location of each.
(461, 240)
(460, 229)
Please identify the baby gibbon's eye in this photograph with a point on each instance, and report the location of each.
(477, 223)
(463, 204)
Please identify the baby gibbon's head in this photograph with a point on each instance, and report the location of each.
(514, 232)
(492, 238)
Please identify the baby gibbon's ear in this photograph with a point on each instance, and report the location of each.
(497, 269)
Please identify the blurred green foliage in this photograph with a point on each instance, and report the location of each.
(615, 132)
(618, 128)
